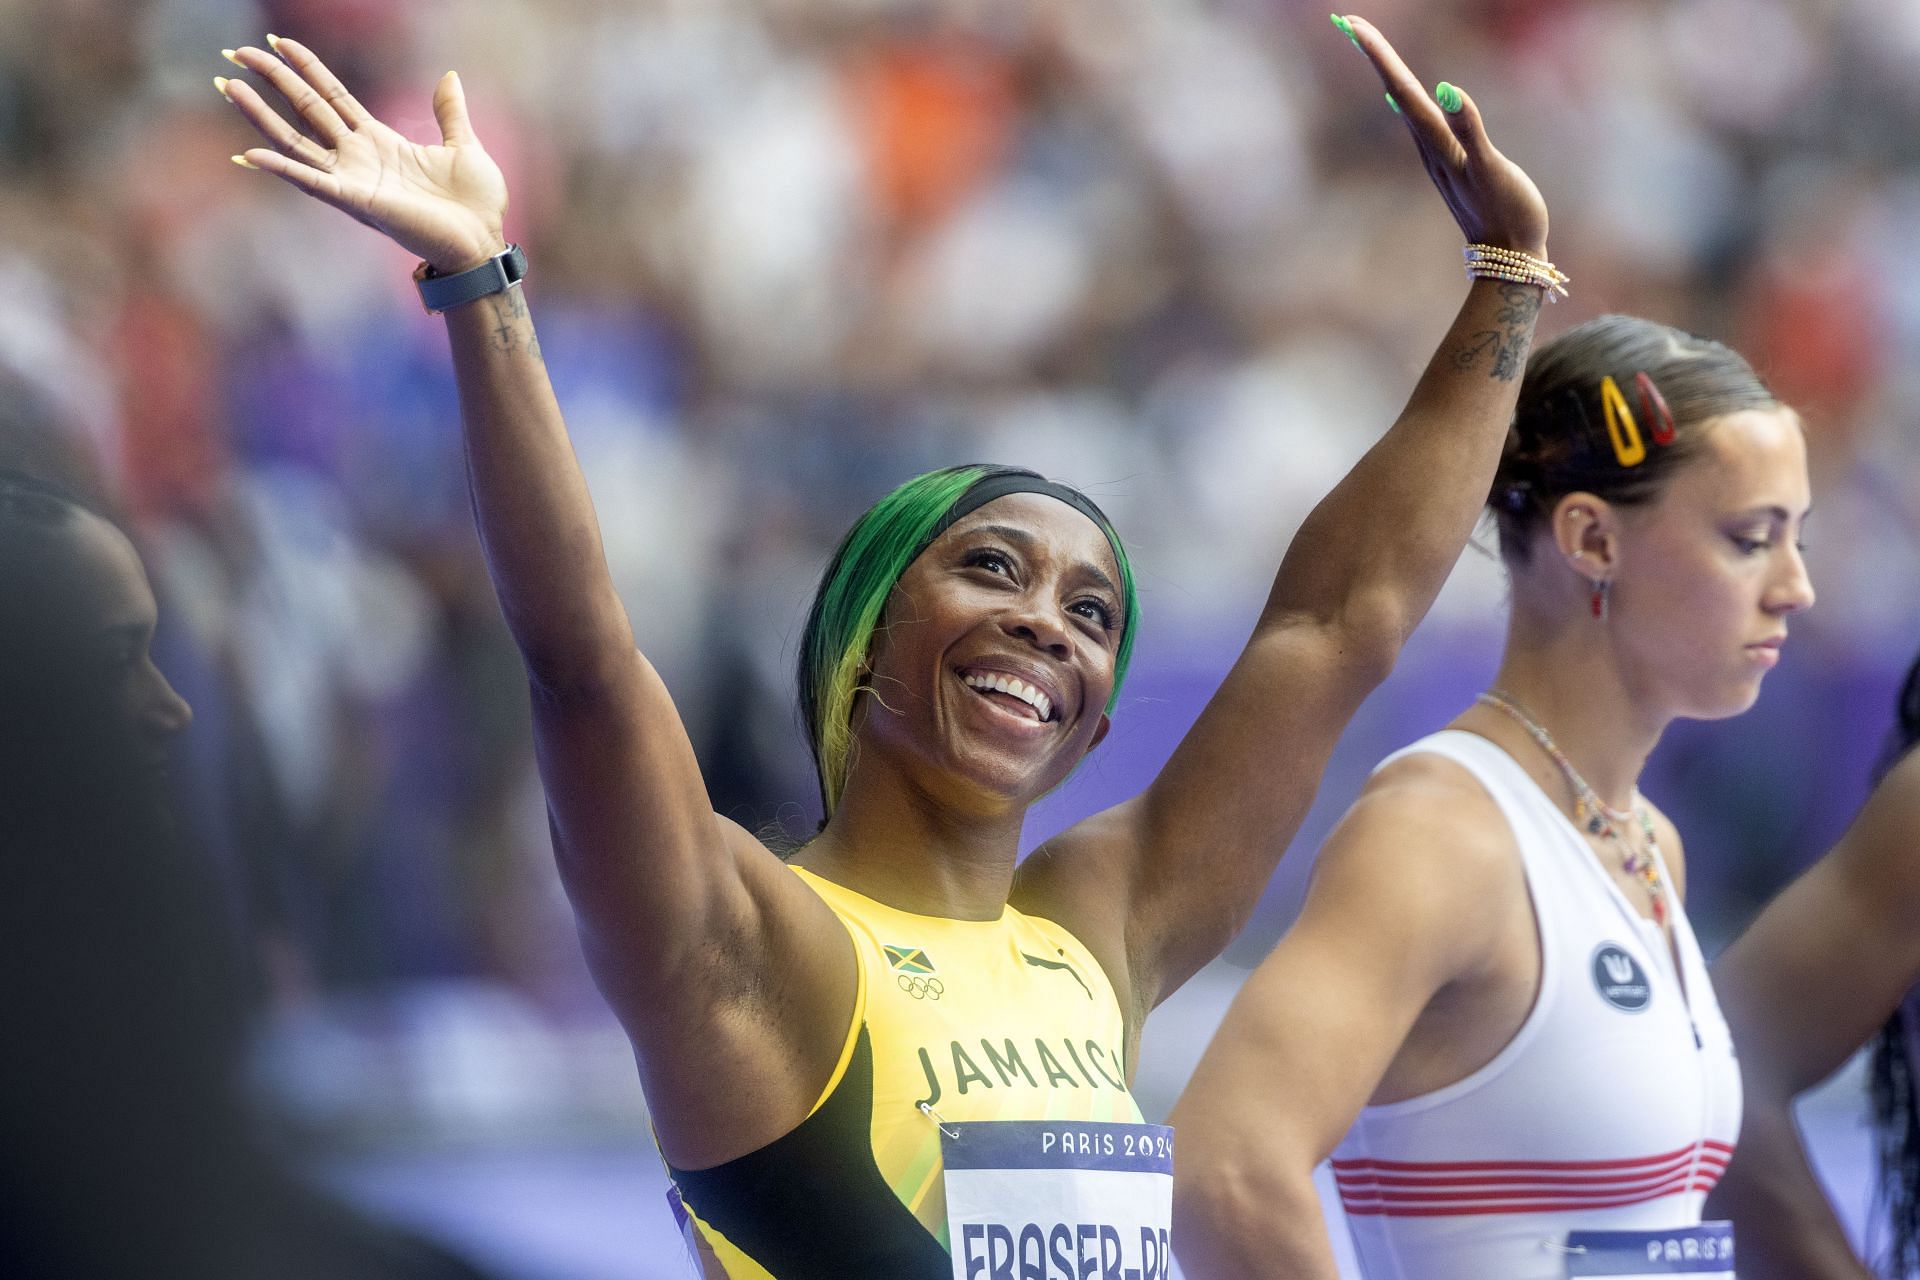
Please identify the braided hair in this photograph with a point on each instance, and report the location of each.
(1896, 1118)
(1559, 443)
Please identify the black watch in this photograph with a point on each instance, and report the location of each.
(496, 275)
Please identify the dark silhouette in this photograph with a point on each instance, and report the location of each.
(126, 1144)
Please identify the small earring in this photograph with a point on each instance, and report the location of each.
(1602, 590)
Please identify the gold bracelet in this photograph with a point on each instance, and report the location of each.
(1491, 262)
(1496, 252)
(1507, 257)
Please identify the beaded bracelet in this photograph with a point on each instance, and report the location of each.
(1490, 262)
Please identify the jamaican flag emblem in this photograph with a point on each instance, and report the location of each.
(907, 959)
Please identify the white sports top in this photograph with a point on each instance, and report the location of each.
(1615, 1106)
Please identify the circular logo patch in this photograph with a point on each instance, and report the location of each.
(1619, 979)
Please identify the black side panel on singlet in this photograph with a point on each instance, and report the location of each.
(811, 1205)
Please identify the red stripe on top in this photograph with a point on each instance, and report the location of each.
(1363, 1163)
(1406, 1193)
(1356, 1180)
(1657, 1188)
(1707, 1176)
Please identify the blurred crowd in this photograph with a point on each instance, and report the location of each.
(786, 253)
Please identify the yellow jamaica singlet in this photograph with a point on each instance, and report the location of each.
(955, 1020)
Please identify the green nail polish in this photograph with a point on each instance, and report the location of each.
(1447, 96)
(1346, 29)
(1393, 104)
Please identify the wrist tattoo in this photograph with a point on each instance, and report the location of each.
(512, 329)
(1504, 350)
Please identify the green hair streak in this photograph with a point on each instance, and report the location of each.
(852, 598)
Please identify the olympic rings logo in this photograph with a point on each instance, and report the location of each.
(920, 988)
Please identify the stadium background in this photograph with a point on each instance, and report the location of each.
(785, 254)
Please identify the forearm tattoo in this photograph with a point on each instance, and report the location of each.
(512, 329)
(1504, 350)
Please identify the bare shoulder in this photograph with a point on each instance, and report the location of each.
(1397, 905)
(1424, 836)
(766, 997)
(772, 979)
(1436, 803)
(773, 924)
(1428, 775)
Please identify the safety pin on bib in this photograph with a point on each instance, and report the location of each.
(939, 1121)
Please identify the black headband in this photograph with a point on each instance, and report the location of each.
(999, 485)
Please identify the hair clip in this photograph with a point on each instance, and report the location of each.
(1514, 497)
(1653, 406)
(1622, 430)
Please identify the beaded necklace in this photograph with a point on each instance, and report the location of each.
(1592, 812)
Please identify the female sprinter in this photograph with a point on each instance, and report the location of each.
(818, 1100)
(1492, 1004)
(1835, 956)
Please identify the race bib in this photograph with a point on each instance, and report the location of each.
(1058, 1200)
(1705, 1250)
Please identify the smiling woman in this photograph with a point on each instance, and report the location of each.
(853, 595)
(906, 1050)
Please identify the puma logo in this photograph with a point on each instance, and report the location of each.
(1063, 966)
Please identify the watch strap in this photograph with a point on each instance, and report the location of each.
(496, 275)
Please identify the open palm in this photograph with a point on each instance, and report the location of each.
(445, 203)
(1490, 197)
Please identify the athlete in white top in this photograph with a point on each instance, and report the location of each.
(1492, 994)
(1491, 1172)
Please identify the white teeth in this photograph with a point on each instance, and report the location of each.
(1016, 687)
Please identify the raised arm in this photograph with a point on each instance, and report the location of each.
(674, 901)
(1808, 984)
(1183, 863)
(1311, 1035)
